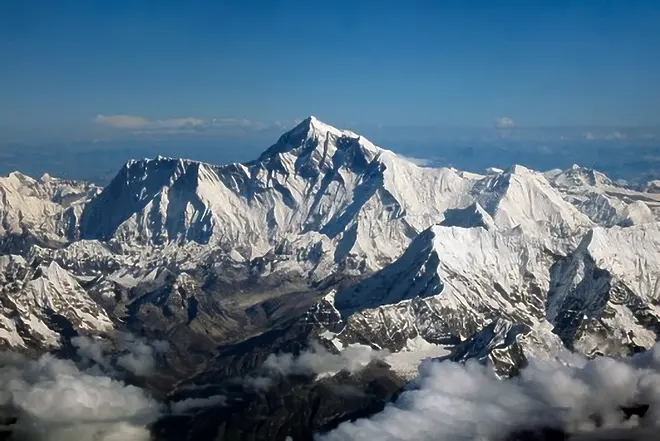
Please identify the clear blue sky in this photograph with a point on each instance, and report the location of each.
(350, 62)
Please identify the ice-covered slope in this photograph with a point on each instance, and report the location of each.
(606, 293)
(450, 283)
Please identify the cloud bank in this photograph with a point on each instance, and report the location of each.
(461, 402)
(56, 401)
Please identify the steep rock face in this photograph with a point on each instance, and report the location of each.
(604, 297)
(469, 217)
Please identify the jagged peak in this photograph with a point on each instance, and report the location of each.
(18, 176)
(523, 196)
(316, 125)
(161, 170)
(163, 159)
(578, 175)
(311, 134)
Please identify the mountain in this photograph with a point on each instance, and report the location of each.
(324, 241)
(603, 201)
(326, 193)
(40, 211)
(38, 299)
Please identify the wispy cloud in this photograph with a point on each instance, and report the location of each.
(122, 121)
(142, 125)
(609, 136)
(134, 122)
(130, 353)
(504, 122)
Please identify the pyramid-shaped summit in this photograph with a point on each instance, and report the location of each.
(311, 134)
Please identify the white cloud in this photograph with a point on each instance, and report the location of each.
(142, 125)
(505, 122)
(189, 404)
(611, 136)
(133, 122)
(321, 362)
(122, 121)
(55, 401)
(456, 402)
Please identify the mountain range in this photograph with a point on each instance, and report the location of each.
(325, 243)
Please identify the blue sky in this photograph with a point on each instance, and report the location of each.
(81, 67)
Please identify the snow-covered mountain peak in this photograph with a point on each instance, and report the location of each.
(318, 126)
(652, 186)
(523, 197)
(34, 294)
(604, 201)
(579, 176)
(48, 209)
(316, 184)
(316, 141)
(157, 197)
